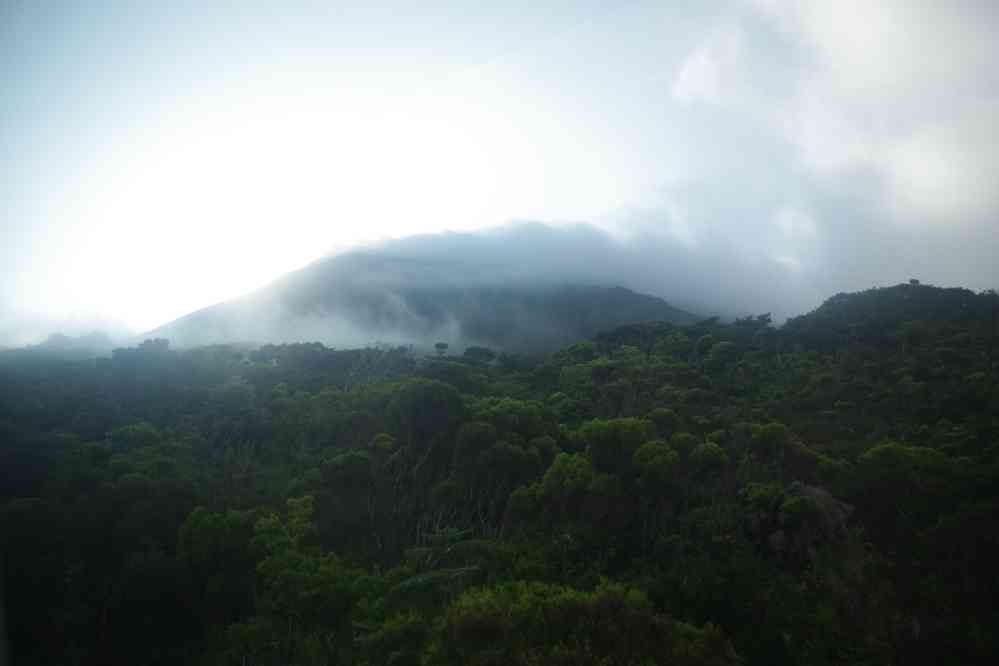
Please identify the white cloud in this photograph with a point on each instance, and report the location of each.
(710, 70)
(795, 224)
(905, 89)
(940, 172)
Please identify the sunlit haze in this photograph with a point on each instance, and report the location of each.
(161, 157)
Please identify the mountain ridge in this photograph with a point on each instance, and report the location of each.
(357, 297)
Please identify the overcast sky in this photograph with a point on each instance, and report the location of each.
(156, 157)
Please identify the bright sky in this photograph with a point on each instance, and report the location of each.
(160, 157)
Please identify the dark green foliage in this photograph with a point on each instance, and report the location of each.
(821, 493)
(538, 623)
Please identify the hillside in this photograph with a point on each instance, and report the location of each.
(824, 492)
(62, 347)
(361, 297)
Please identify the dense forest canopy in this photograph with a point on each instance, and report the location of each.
(823, 492)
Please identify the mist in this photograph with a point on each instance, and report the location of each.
(716, 277)
(495, 287)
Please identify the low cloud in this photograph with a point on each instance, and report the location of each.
(710, 276)
(906, 90)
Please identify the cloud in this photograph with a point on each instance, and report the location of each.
(864, 135)
(773, 151)
(908, 90)
(711, 69)
(716, 275)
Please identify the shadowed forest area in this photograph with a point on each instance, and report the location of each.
(823, 492)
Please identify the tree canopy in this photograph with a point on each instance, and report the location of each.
(824, 492)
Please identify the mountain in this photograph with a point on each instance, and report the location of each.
(361, 297)
(59, 346)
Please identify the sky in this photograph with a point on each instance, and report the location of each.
(156, 158)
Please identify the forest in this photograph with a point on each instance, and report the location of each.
(715, 493)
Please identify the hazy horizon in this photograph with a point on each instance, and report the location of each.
(741, 156)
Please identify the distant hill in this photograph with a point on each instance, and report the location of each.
(64, 347)
(364, 297)
(884, 316)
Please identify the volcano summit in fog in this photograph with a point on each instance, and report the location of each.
(461, 289)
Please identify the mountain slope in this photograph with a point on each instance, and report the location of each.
(361, 297)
